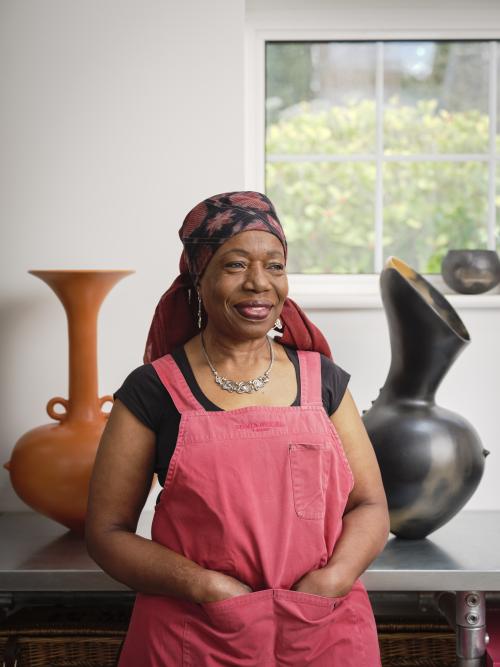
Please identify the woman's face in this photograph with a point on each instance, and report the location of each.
(245, 285)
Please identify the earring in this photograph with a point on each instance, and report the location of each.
(278, 324)
(199, 311)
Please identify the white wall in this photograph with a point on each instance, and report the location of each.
(376, 15)
(117, 116)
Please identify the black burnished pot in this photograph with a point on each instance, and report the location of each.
(431, 459)
(471, 271)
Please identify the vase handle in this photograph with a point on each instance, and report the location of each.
(105, 399)
(59, 416)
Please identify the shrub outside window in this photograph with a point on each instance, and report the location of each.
(383, 148)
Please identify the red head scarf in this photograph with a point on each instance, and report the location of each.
(206, 227)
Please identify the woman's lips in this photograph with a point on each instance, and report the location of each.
(253, 311)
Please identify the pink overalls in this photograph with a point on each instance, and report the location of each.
(257, 493)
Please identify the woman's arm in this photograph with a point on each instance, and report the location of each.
(119, 487)
(366, 518)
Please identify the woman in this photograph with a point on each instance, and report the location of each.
(273, 502)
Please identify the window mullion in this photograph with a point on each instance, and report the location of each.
(492, 147)
(393, 157)
(379, 152)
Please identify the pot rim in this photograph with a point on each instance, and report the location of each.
(434, 298)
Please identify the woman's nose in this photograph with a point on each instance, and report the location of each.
(257, 279)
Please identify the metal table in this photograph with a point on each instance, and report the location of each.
(458, 563)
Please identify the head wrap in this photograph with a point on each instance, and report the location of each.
(206, 227)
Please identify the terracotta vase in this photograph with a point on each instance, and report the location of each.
(431, 458)
(50, 466)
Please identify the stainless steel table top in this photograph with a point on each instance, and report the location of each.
(37, 554)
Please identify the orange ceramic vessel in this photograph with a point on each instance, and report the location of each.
(50, 466)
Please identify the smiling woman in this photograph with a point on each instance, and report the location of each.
(273, 503)
(243, 289)
(248, 276)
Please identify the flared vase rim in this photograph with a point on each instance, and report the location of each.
(439, 303)
(81, 271)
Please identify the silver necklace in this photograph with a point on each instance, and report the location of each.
(245, 386)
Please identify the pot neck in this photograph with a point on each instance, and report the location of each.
(81, 294)
(426, 336)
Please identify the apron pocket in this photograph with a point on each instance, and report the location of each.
(302, 598)
(309, 467)
(315, 631)
(235, 631)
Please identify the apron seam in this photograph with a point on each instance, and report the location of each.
(180, 446)
(343, 456)
(186, 658)
(361, 643)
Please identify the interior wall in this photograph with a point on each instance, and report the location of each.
(116, 118)
(374, 17)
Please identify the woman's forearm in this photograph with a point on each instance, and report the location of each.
(364, 535)
(148, 567)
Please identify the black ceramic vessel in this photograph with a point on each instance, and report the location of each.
(431, 459)
(471, 271)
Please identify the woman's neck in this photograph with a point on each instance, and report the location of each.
(223, 349)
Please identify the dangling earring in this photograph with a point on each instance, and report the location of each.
(278, 324)
(199, 310)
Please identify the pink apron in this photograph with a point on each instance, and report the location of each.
(257, 493)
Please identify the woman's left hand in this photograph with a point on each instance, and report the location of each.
(326, 582)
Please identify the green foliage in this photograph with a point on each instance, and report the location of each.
(282, 59)
(328, 208)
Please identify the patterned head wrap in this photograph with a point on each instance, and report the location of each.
(205, 228)
(213, 221)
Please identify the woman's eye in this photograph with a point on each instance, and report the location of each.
(239, 264)
(235, 265)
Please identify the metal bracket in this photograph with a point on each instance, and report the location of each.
(465, 611)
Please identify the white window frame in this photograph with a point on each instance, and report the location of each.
(356, 21)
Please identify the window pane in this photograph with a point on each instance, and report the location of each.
(431, 207)
(321, 114)
(320, 97)
(436, 97)
(327, 211)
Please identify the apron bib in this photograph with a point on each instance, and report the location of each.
(257, 493)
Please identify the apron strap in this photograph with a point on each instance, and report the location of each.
(175, 383)
(310, 378)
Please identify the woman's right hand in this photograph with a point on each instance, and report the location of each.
(221, 586)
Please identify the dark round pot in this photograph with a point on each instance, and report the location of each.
(431, 459)
(471, 271)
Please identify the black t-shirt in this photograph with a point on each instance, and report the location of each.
(145, 396)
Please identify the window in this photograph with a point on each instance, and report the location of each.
(378, 148)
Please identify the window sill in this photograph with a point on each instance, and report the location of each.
(344, 292)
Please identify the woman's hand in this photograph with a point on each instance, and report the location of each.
(326, 582)
(219, 586)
